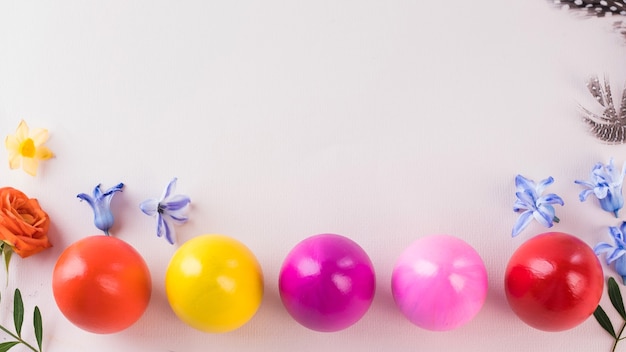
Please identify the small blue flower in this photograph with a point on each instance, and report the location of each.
(606, 185)
(615, 253)
(169, 210)
(532, 204)
(101, 205)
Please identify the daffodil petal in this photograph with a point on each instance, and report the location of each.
(15, 160)
(43, 153)
(30, 165)
(39, 136)
(12, 143)
(22, 131)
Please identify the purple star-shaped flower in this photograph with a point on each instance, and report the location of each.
(170, 209)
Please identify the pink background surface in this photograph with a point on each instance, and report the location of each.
(381, 121)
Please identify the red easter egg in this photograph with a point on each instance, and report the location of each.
(554, 281)
(101, 284)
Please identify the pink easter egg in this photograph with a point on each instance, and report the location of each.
(327, 282)
(439, 282)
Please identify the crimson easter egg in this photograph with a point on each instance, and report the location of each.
(554, 281)
(327, 282)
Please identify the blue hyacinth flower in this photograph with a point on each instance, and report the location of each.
(532, 205)
(100, 202)
(170, 209)
(606, 185)
(615, 253)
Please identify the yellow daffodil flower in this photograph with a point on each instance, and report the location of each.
(26, 148)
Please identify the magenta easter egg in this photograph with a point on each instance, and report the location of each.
(439, 282)
(327, 282)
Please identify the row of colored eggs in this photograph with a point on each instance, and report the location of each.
(327, 283)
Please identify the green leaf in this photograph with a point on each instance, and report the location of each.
(7, 252)
(604, 321)
(38, 326)
(616, 297)
(5, 346)
(18, 312)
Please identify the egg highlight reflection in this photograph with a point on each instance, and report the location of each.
(439, 282)
(327, 282)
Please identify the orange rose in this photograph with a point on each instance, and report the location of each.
(23, 224)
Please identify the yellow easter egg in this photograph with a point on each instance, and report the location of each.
(214, 283)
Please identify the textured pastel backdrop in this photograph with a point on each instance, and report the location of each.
(384, 121)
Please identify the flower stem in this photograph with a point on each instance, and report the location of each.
(619, 337)
(557, 220)
(33, 348)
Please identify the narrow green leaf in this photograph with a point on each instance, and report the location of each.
(5, 346)
(38, 327)
(7, 252)
(616, 297)
(604, 321)
(18, 312)
(7, 260)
